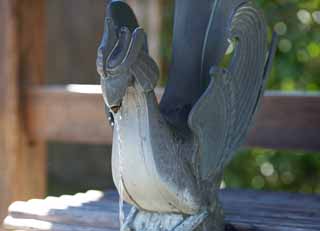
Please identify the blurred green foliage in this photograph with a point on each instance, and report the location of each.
(296, 67)
(275, 170)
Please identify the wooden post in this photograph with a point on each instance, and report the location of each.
(154, 29)
(149, 15)
(22, 161)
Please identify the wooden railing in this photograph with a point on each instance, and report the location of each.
(75, 113)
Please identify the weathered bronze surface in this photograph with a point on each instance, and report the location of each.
(168, 158)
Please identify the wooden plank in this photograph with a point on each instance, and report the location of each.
(244, 209)
(29, 224)
(22, 165)
(288, 121)
(75, 113)
(70, 114)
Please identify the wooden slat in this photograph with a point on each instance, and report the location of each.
(29, 224)
(288, 121)
(22, 165)
(75, 113)
(244, 210)
(67, 114)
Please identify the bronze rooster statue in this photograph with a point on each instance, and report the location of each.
(168, 158)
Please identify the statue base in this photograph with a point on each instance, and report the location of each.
(138, 220)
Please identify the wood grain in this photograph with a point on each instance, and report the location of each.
(22, 165)
(76, 114)
(244, 209)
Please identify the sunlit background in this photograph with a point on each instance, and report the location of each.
(72, 43)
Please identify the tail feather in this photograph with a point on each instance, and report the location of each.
(233, 94)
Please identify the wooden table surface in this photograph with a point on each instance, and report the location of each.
(98, 211)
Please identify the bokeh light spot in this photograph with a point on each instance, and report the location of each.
(280, 28)
(314, 49)
(288, 85)
(304, 17)
(316, 16)
(285, 45)
(267, 169)
(223, 185)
